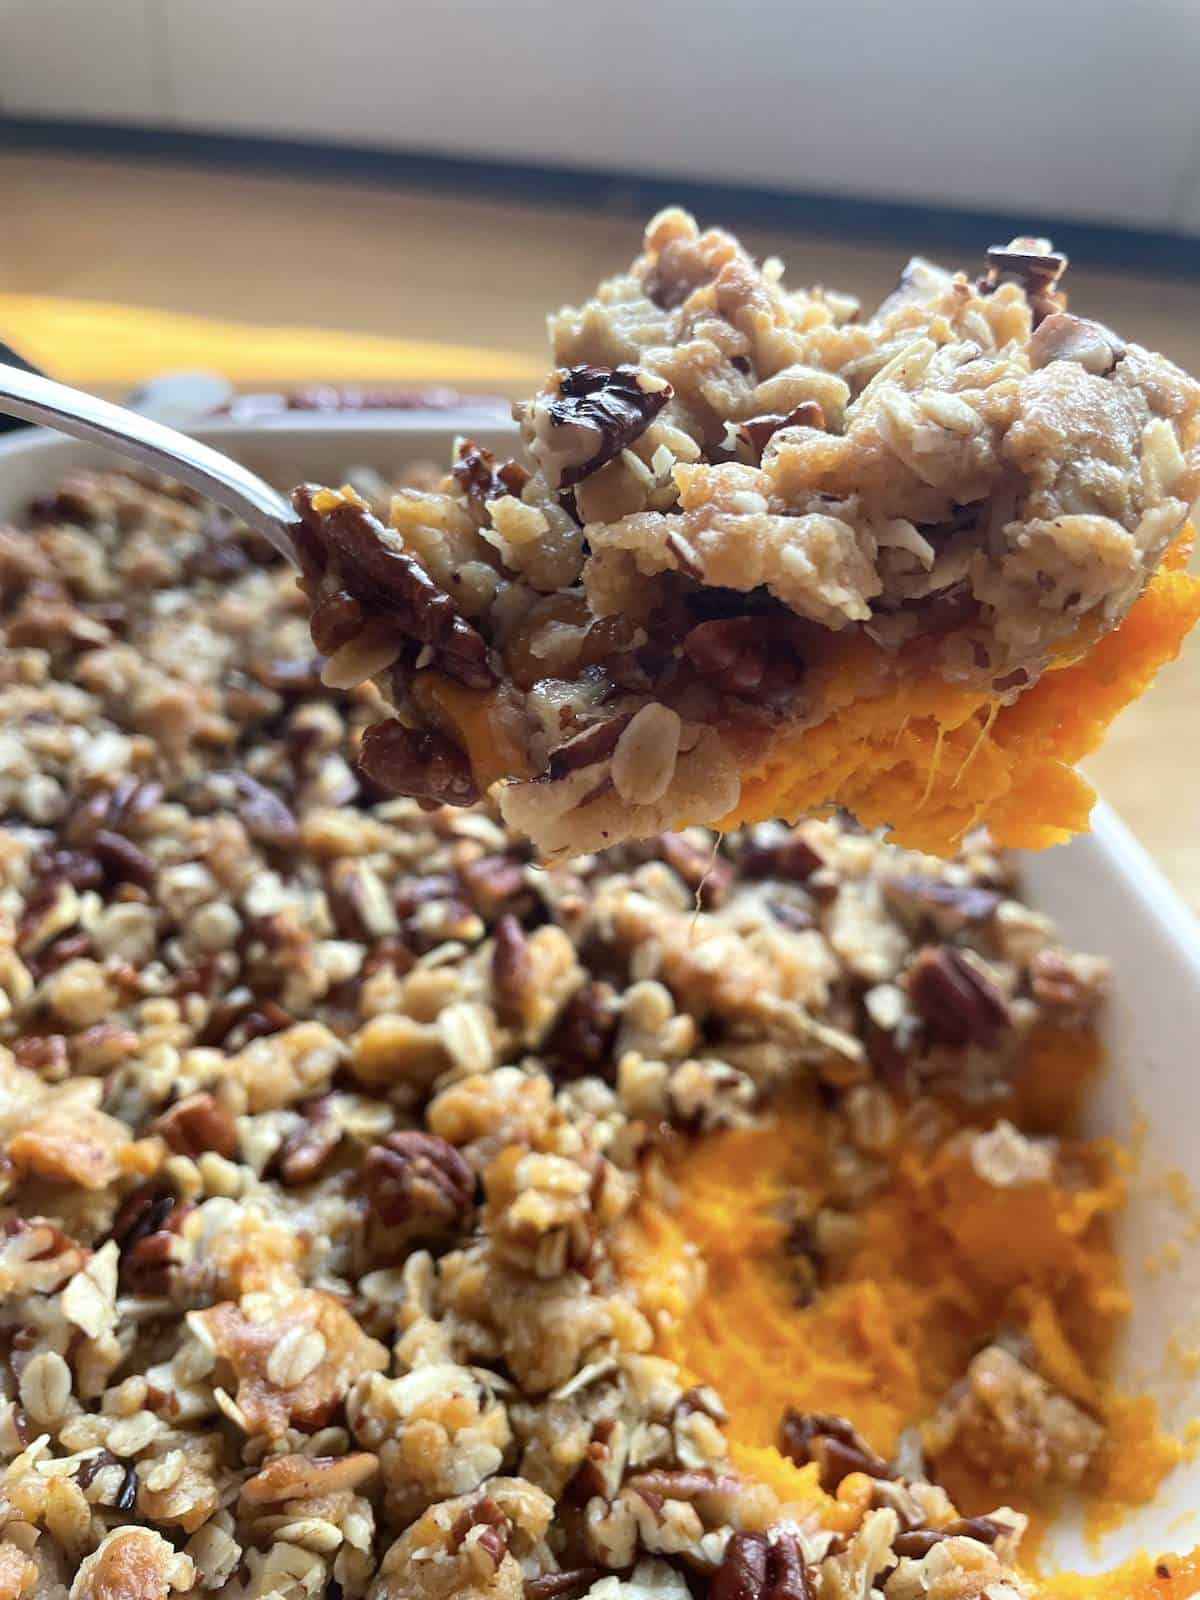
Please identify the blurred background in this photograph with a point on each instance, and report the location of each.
(287, 191)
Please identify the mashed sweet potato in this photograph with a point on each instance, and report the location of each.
(930, 761)
(932, 1267)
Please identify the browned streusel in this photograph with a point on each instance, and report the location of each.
(724, 483)
(318, 1112)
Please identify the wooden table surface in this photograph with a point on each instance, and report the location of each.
(465, 270)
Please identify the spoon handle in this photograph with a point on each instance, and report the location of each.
(55, 405)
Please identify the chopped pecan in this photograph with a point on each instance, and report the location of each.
(69, 948)
(338, 619)
(751, 655)
(512, 970)
(581, 1041)
(965, 902)
(758, 1566)
(586, 748)
(263, 814)
(415, 891)
(959, 1004)
(429, 767)
(296, 677)
(918, 1542)
(760, 430)
(792, 860)
(374, 570)
(233, 1022)
(1036, 266)
(145, 1229)
(198, 1123)
(553, 1585)
(122, 860)
(480, 479)
(142, 1212)
(705, 872)
(614, 404)
(833, 1443)
(493, 882)
(305, 1153)
(43, 1053)
(420, 1183)
(80, 870)
(485, 1514)
(390, 952)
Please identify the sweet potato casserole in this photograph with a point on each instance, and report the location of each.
(387, 1215)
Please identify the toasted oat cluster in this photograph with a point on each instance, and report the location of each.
(321, 1114)
(726, 486)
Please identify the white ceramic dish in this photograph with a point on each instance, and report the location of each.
(1103, 890)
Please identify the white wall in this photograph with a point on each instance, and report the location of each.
(1081, 108)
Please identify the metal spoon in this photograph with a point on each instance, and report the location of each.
(55, 405)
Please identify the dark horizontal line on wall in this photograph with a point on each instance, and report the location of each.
(1098, 244)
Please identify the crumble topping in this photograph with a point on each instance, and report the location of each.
(321, 1115)
(725, 483)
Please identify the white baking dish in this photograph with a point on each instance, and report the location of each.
(1103, 890)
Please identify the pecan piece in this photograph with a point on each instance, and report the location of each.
(964, 902)
(704, 871)
(1036, 266)
(198, 1123)
(420, 1183)
(758, 1567)
(744, 655)
(581, 1041)
(80, 870)
(263, 814)
(586, 748)
(44, 1053)
(374, 570)
(918, 1542)
(552, 1585)
(122, 860)
(232, 1023)
(338, 619)
(480, 479)
(512, 970)
(959, 1004)
(493, 882)
(833, 1443)
(758, 432)
(305, 1153)
(792, 860)
(145, 1229)
(485, 1514)
(615, 405)
(427, 766)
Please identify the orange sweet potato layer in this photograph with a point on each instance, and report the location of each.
(943, 1260)
(930, 761)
